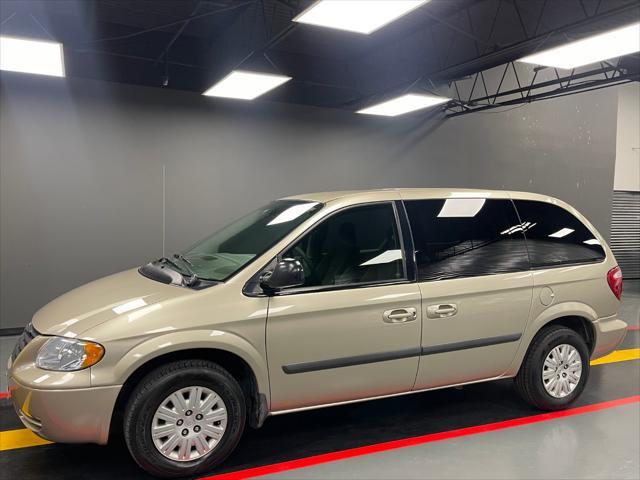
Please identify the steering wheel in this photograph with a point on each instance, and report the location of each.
(304, 259)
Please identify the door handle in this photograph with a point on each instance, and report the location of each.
(400, 315)
(440, 311)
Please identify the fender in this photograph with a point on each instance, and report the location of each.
(183, 340)
(564, 309)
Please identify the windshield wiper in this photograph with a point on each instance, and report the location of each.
(192, 278)
(179, 256)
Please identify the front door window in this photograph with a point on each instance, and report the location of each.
(359, 245)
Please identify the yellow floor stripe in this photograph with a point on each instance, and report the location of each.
(618, 356)
(21, 438)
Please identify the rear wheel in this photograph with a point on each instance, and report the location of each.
(555, 369)
(184, 418)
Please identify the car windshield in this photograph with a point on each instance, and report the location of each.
(222, 254)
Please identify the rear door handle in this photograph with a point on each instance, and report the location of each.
(443, 310)
(400, 315)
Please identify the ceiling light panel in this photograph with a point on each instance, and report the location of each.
(403, 104)
(604, 46)
(360, 16)
(461, 207)
(245, 85)
(31, 56)
(563, 232)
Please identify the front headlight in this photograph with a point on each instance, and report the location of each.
(66, 354)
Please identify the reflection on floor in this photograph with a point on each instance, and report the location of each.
(564, 449)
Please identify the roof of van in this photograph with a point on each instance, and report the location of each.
(357, 196)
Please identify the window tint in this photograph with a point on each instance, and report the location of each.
(358, 245)
(555, 236)
(466, 237)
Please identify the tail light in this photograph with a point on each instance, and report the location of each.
(614, 279)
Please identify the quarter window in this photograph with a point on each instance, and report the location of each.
(466, 237)
(555, 236)
(355, 246)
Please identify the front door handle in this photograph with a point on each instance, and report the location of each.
(443, 310)
(400, 315)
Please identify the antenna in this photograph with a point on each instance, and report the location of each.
(164, 209)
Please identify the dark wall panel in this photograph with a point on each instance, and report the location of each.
(81, 168)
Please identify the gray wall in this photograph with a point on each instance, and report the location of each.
(81, 168)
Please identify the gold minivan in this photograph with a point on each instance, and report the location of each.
(319, 300)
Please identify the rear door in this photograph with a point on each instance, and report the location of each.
(473, 273)
(353, 330)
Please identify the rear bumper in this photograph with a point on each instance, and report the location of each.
(67, 416)
(610, 333)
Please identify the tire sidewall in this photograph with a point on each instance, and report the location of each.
(560, 337)
(139, 417)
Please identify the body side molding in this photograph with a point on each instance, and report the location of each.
(480, 342)
(306, 367)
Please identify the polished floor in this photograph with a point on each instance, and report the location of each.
(480, 431)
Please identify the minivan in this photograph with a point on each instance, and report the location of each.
(319, 300)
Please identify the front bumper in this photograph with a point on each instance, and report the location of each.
(60, 406)
(67, 416)
(610, 333)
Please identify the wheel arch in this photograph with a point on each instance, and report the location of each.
(243, 370)
(574, 315)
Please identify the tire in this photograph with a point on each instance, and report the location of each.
(529, 382)
(155, 390)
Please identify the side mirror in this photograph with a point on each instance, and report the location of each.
(287, 273)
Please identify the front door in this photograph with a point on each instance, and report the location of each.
(473, 272)
(353, 330)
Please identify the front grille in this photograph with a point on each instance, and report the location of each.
(28, 334)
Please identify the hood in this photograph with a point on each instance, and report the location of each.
(124, 293)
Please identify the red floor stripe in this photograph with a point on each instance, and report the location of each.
(4, 395)
(409, 442)
(633, 327)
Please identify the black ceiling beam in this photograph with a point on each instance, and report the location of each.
(175, 37)
(562, 91)
(170, 24)
(520, 49)
(548, 83)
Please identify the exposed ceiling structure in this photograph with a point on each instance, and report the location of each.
(457, 48)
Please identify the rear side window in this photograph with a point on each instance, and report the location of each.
(466, 237)
(555, 236)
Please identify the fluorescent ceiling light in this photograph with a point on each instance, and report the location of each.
(461, 207)
(360, 16)
(604, 46)
(31, 56)
(385, 257)
(128, 306)
(563, 232)
(592, 241)
(292, 213)
(245, 85)
(404, 104)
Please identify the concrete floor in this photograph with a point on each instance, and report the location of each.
(599, 445)
(602, 445)
(630, 308)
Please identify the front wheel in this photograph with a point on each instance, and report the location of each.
(184, 418)
(555, 369)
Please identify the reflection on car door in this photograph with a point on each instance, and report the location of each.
(473, 272)
(353, 330)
